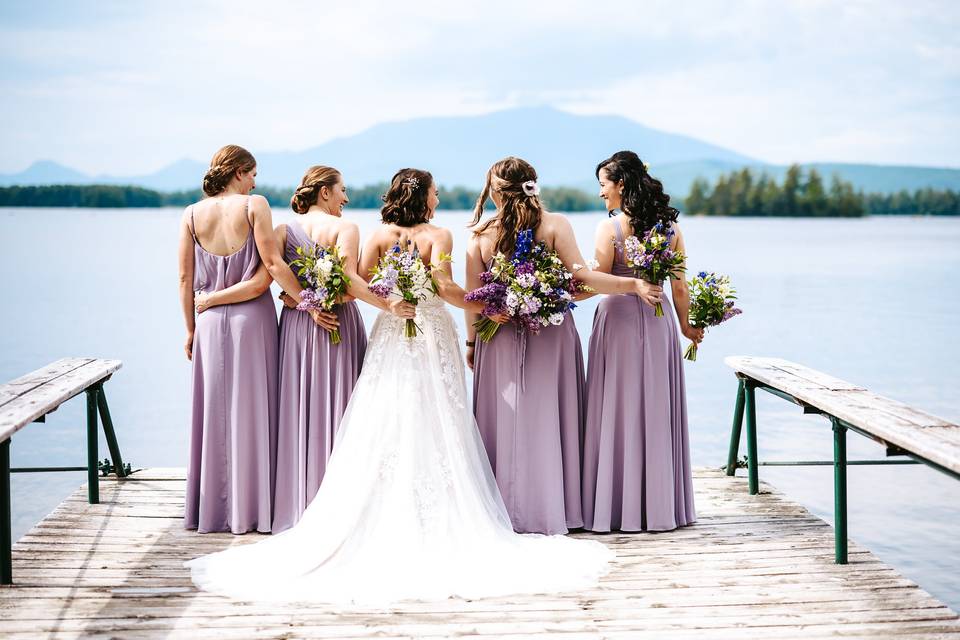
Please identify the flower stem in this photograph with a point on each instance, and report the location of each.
(486, 328)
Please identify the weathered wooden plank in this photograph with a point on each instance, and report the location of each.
(38, 400)
(751, 567)
(893, 422)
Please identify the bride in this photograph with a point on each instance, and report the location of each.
(408, 508)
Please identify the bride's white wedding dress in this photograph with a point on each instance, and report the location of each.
(408, 507)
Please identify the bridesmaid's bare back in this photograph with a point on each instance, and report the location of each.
(221, 224)
(324, 229)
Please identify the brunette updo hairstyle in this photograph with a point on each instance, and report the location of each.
(308, 193)
(224, 165)
(643, 200)
(405, 202)
(518, 210)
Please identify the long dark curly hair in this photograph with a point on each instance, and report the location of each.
(518, 210)
(405, 202)
(643, 199)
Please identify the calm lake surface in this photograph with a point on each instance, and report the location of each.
(875, 301)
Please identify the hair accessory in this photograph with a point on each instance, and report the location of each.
(412, 181)
(646, 166)
(531, 188)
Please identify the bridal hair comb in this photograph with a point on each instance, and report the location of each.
(531, 188)
(412, 181)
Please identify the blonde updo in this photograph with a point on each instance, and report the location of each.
(224, 165)
(308, 193)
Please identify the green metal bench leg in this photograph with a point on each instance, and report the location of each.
(93, 478)
(6, 537)
(840, 491)
(109, 433)
(750, 404)
(735, 430)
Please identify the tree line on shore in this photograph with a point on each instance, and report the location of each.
(805, 194)
(368, 197)
(738, 193)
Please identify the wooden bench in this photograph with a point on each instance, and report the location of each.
(31, 398)
(905, 431)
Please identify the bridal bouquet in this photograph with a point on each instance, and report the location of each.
(651, 258)
(403, 273)
(320, 271)
(533, 287)
(711, 302)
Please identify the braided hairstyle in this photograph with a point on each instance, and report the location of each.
(405, 202)
(643, 199)
(224, 166)
(308, 192)
(518, 209)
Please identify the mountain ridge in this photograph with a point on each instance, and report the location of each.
(564, 147)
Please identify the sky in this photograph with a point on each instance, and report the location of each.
(126, 87)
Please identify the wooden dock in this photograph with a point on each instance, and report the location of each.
(752, 567)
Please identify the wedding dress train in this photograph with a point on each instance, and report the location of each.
(408, 508)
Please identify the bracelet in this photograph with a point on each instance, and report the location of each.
(471, 343)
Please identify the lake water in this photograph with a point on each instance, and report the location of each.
(874, 301)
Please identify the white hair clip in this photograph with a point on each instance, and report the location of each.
(412, 181)
(531, 188)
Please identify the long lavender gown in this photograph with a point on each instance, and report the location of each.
(230, 473)
(528, 401)
(636, 454)
(316, 381)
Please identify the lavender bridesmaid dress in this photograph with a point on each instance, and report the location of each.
(636, 454)
(230, 473)
(316, 381)
(528, 402)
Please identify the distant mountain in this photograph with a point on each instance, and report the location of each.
(564, 148)
(45, 172)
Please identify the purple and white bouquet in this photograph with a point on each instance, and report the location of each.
(651, 258)
(404, 274)
(533, 287)
(711, 302)
(320, 271)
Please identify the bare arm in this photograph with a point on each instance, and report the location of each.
(370, 256)
(565, 244)
(447, 287)
(681, 294)
(240, 292)
(186, 266)
(475, 267)
(603, 253)
(269, 248)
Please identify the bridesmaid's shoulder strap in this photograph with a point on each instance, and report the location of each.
(193, 225)
(617, 230)
(248, 212)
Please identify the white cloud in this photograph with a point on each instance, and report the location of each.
(128, 88)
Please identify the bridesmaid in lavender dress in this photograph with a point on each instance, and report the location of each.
(223, 241)
(316, 376)
(636, 462)
(528, 389)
